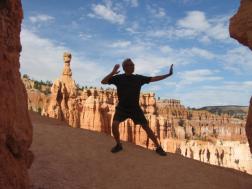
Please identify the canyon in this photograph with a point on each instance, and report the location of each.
(222, 138)
(198, 134)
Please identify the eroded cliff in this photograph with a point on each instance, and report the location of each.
(15, 124)
(240, 28)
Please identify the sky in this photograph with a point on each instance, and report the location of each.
(210, 68)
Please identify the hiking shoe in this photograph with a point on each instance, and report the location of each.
(160, 151)
(117, 148)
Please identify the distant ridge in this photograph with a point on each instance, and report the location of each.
(233, 110)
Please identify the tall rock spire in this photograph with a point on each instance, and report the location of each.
(62, 103)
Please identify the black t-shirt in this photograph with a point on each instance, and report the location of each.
(128, 88)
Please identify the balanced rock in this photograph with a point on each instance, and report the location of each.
(63, 104)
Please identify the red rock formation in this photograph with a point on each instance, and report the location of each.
(37, 100)
(200, 124)
(63, 104)
(240, 28)
(170, 121)
(93, 109)
(249, 125)
(15, 124)
(233, 154)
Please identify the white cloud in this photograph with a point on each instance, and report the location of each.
(205, 39)
(218, 31)
(120, 44)
(201, 53)
(41, 18)
(173, 33)
(147, 62)
(184, 33)
(238, 60)
(218, 93)
(194, 20)
(152, 64)
(154, 87)
(195, 25)
(133, 28)
(131, 3)
(188, 1)
(233, 86)
(42, 59)
(187, 56)
(170, 84)
(151, 59)
(166, 49)
(199, 98)
(156, 12)
(160, 33)
(107, 13)
(199, 75)
(134, 3)
(85, 36)
(226, 93)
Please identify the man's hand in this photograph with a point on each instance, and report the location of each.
(171, 70)
(161, 77)
(115, 69)
(109, 76)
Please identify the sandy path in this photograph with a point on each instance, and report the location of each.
(67, 158)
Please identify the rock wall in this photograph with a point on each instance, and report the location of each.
(63, 104)
(232, 154)
(249, 125)
(15, 124)
(240, 28)
(37, 100)
(93, 109)
(200, 124)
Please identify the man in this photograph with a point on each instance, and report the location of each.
(128, 91)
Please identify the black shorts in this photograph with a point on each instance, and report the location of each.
(136, 114)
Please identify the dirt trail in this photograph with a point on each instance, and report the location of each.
(67, 158)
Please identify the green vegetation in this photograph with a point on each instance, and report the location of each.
(26, 76)
(37, 85)
(42, 86)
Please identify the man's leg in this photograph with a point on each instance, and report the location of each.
(119, 117)
(115, 131)
(150, 134)
(138, 117)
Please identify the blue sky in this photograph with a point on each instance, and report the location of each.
(210, 68)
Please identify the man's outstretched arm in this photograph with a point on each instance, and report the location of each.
(109, 76)
(160, 77)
